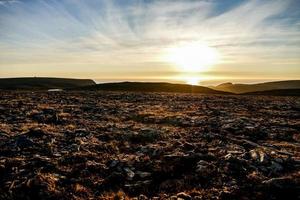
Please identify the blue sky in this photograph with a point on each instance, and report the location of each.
(128, 40)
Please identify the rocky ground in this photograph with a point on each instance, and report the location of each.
(95, 145)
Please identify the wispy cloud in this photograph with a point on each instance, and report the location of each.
(2, 2)
(126, 34)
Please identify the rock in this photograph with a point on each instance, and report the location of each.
(143, 197)
(175, 156)
(138, 186)
(184, 196)
(130, 174)
(275, 167)
(173, 198)
(254, 155)
(144, 135)
(228, 156)
(258, 156)
(113, 163)
(262, 156)
(37, 116)
(281, 183)
(35, 133)
(204, 168)
(81, 133)
(278, 160)
(23, 142)
(188, 146)
(143, 174)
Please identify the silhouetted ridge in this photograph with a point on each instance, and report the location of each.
(152, 87)
(43, 83)
(246, 88)
(286, 92)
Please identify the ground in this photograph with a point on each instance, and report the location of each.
(102, 145)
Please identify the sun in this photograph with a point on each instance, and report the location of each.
(193, 80)
(193, 57)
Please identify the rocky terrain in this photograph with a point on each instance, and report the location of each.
(118, 145)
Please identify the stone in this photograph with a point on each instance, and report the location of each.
(276, 167)
(143, 197)
(204, 168)
(24, 142)
(113, 163)
(184, 196)
(173, 198)
(130, 174)
(35, 133)
(143, 174)
(258, 156)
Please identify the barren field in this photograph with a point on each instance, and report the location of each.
(102, 145)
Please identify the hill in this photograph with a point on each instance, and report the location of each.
(42, 83)
(284, 92)
(246, 88)
(152, 87)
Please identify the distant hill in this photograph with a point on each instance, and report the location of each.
(152, 87)
(42, 83)
(284, 92)
(279, 88)
(246, 88)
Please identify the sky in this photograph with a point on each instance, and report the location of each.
(209, 41)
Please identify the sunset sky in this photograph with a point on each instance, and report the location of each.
(205, 41)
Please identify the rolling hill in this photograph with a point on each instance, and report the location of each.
(279, 88)
(42, 83)
(152, 87)
(283, 92)
(246, 88)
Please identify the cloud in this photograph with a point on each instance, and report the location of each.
(5, 1)
(129, 33)
(2, 2)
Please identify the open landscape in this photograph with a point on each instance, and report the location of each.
(149, 99)
(120, 145)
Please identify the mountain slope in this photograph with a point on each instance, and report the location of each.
(152, 87)
(245, 88)
(42, 83)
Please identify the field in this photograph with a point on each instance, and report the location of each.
(119, 145)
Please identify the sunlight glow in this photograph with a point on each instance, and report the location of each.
(193, 57)
(193, 80)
